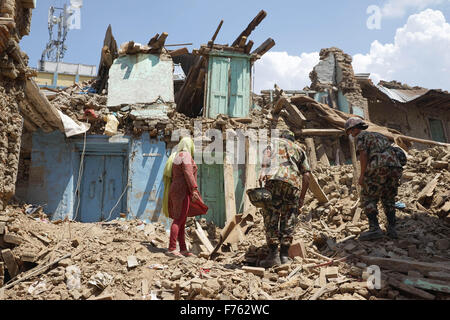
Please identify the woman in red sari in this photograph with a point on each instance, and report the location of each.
(180, 191)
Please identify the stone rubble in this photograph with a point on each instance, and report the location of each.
(326, 265)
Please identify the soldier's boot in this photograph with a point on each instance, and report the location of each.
(284, 254)
(374, 229)
(272, 258)
(390, 229)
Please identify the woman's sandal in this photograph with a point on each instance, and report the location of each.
(186, 253)
(174, 254)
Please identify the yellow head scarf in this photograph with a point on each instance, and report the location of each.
(186, 144)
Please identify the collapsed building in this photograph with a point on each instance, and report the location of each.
(94, 153)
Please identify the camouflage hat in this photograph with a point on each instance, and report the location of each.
(287, 134)
(354, 122)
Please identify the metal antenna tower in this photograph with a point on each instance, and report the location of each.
(55, 48)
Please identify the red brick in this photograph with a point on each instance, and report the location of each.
(297, 249)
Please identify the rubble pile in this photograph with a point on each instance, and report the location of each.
(125, 259)
(82, 104)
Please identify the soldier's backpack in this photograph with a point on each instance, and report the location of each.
(400, 155)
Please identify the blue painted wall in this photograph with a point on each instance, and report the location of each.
(146, 167)
(52, 173)
(343, 103)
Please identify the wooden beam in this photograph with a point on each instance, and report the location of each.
(202, 237)
(406, 265)
(321, 132)
(429, 189)
(296, 116)
(252, 25)
(230, 201)
(250, 177)
(423, 141)
(161, 40)
(410, 289)
(242, 43)
(322, 155)
(178, 52)
(42, 105)
(153, 40)
(217, 31)
(248, 47)
(35, 117)
(317, 191)
(264, 47)
(311, 151)
(428, 284)
(356, 169)
(281, 103)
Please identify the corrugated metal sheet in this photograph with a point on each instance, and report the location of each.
(402, 96)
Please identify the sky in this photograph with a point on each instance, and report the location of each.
(403, 40)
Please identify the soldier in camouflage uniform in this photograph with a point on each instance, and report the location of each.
(285, 169)
(380, 176)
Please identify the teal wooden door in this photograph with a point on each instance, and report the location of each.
(218, 79)
(239, 87)
(212, 189)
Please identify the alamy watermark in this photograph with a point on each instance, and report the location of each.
(374, 20)
(214, 146)
(374, 279)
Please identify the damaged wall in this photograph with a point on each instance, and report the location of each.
(15, 23)
(335, 81)
(10, 139)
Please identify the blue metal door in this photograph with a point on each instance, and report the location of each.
(102, 185)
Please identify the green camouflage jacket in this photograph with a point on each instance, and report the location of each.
(379, 151)
(286, 162)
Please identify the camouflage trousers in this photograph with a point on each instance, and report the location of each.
(281, 214)
(381, 184)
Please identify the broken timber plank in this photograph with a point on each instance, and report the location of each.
(248, 47)
(405, 265)
(357, 215)
(410, 289)
(250, 176)
(263, 48)
(252, 25)
(296, 116)
(429, 189)
(428, 284)
(230, 202)
(320, 132)
(179, 52)
(311, 150)
(281, 103)
(42, 105)
(217, 32)
(202, 237)
(316, 189)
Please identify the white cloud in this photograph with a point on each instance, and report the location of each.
(288, 72)
(419, 55)
(398, 8)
